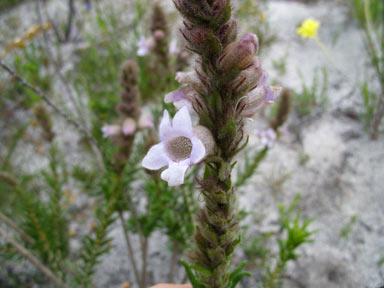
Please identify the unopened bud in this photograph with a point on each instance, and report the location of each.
(228, 32)
(206, 138)
(159, 34)
(197, 37)
(249, 78)
(239, 54)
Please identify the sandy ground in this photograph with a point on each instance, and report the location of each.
(343, 177)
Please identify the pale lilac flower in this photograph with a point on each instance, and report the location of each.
(129, 126)
(178, 148)
(144, 46)
(110, 130)
(179, 98)
(267, 137)
(183, 97)
(145, 121)
(173, 49)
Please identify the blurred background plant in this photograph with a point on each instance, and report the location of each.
(370, 18)
(256, 14)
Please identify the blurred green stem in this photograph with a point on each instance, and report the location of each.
(25, 253)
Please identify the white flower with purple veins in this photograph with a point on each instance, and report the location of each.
(179, 148)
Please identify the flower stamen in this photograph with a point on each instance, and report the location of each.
(179, 148)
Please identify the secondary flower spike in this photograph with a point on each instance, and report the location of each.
(179, 148)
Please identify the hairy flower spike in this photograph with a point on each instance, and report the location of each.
(160, 32)
(123, 132)
(227, 86)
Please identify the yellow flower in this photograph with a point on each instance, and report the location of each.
(46, 26)
(308, 28)
(32, 32)
(17, 43)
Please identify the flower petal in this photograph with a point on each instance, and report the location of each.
(110, 130)
(156, 158)
(129, 126)
(165, 125)
(198, 150)
(182, 121)
(174, 175)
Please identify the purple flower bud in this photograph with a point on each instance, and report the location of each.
(219, 5)
(228, 32)
(256, 99)
(239, 54)
(249, 78)
(159, 34)
(196, 37)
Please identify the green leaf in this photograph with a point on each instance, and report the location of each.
(237, 274)
(191, 276)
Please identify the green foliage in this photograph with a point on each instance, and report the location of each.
(7, 4)
(376, 10)
(234, 277)
(370, 17)
(254, 12)
(280, 64)
(256, 249)
(314, 96)
(249, 168)
(347, 229)
(31, 64)
(295, 233)
(96, 75)
(370, 103)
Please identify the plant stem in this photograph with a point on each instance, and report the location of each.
(130, 249)
(144, 265)
(51, 104)
(378, 116)
(24, 252)
(173, 261)
(13, 225)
